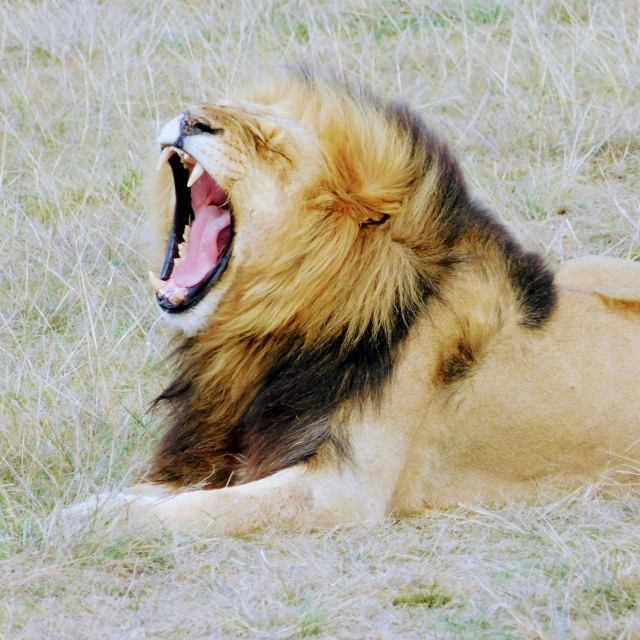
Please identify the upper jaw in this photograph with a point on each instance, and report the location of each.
(196, 170)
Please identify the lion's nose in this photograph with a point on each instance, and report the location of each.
(192, 124)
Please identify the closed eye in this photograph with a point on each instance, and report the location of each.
(204, 128)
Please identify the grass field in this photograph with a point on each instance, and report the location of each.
(540, 100)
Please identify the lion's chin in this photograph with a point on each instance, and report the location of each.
(199, 248)
(197, 317)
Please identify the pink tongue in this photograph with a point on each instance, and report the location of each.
(203, 252)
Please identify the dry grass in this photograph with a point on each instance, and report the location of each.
(540, 99)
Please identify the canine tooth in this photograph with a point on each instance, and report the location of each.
(156, 282)
(196, 173)
(167, 152)
(186, 234)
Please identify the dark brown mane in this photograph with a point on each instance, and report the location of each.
(288, 415)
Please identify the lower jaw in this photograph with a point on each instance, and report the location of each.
(196, 318)
(195, 295)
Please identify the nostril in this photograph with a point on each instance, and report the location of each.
(192, 124)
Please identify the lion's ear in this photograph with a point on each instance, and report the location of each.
(375, 218)
(370, 207)
(363, 186)
(366, 209)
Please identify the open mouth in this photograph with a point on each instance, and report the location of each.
(199, 248)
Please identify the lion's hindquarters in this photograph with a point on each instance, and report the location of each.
(602, 274)
(559, 401)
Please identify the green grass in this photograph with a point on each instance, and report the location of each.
(539, 100)
(429, 596)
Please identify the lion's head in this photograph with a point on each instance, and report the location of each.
(281, 204)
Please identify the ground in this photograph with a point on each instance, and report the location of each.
(540, 102)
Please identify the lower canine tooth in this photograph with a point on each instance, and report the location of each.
(156, 282)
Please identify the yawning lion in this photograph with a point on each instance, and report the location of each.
(362, 336)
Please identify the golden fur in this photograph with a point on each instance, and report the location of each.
(378, 341)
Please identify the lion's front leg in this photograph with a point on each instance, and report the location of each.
(152, 489)
(298, 497)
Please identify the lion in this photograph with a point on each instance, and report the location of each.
(362, 337)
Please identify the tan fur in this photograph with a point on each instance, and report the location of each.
(336, 217)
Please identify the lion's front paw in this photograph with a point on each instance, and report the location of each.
(100, 508)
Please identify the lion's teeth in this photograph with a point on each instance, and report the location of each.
(184, 245)
(196, 174)
(185, 159)
(167, 152)
(178, 296)
(156, 282)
